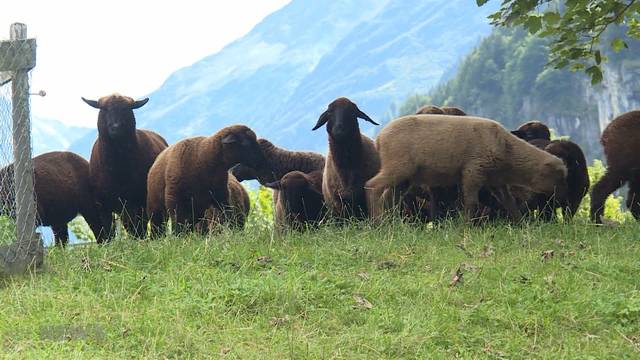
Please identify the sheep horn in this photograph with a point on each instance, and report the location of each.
(92, 103)
(362, 115)
(321, 121)
(139, 103)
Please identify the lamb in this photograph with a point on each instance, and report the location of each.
(437, 150)
(533, 130)
(298, 199)
(352, 160)
(62, 189)
(120, 161)
(621, 142)
(279, 163)
(192, 176)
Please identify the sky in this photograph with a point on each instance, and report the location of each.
(95, 48)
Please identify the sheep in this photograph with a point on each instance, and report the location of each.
(577, 180)
(429, 109)
(238, 210)
(452, 110)
(298, 199)
(533, 130)
(120, 161)
(621, 143)
(437, 150)
(192, 176)
(62, 189)
(352, 160)
(280, 162)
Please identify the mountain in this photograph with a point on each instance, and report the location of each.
(49, 135)
(504, 78)
(280, 76)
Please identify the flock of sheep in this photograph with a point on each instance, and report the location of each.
(425, 166)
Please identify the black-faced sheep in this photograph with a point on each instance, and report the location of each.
(533, 130)
(352, 160)
(621, 142)
(279, 163)
(437, 150)
(298, 199)
(62, 189)
(192, 176)
(120, 161)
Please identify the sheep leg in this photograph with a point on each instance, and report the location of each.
(609, 183)
(471, 185)
(509, 203)
(61, 234)
(546, 208)
(106, 232)
(91, 216)
(374, 189)
(633, 198)
(158, 224)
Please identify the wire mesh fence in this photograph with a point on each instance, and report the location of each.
(18, 216)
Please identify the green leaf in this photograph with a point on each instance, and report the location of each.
(596, 74)
(598, 57)
(481, 2)
(534, 24)
(618, 44)
(551, 18)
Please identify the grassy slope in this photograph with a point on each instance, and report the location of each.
(199, 298)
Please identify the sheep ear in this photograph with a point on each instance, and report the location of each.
(322, 120)
(229, 138)
(275, 185)
(362, 115)
(519, 133)
(139, 103)
(92, 103)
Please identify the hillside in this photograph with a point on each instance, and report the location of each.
(504, 78)
(282, 74)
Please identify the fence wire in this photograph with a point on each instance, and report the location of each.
(18, 214)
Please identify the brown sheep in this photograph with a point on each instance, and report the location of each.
(429, 109)
(62, 189)
(533, 130)
(452, 110)
(120, 161)
(436, 150)
(352, 160)
(621, 142)
(238, 211)
(279, 163)
(298, 199)
(192, 176)
(577, 180)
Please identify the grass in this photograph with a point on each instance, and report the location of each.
(536, 291)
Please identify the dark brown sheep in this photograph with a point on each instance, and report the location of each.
(192, 176)
(279, 163)
(577, 181)
(621, 142)
(120, 161)
(533, 130)
(62, 189)
(352, 160)
(237, 212)
(298, 199)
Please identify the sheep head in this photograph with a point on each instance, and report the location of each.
(533, 130)
(551, 177)
(115, 119)
(341, 118)
(239, 146)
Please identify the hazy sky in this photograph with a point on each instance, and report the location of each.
(93, 48)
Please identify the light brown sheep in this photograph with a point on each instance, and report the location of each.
(352, 160)
(429, 109)
(439, 150)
